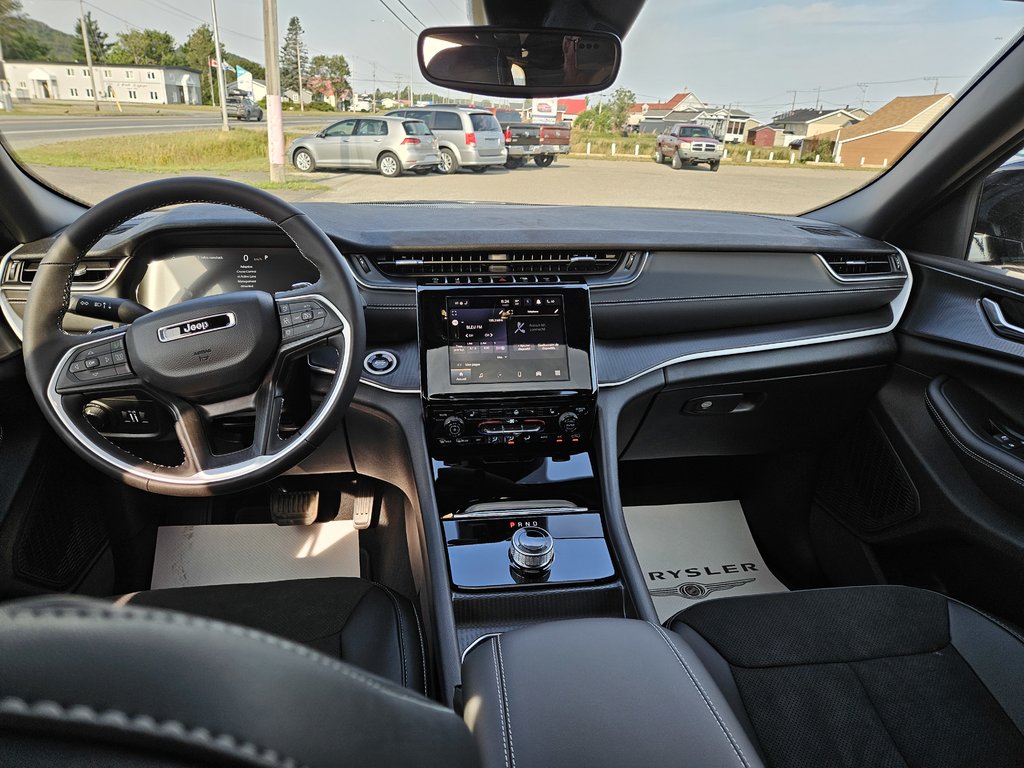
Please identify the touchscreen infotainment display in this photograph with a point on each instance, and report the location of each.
(506, 339)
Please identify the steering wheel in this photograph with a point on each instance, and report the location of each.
(212, 356)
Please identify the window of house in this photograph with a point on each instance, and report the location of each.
(151, 75)
(74, 91)
(70, 71)
(85, 73)
(132, 95)
(106, 73)
(153, 95)
(88, 91)
(129, 74)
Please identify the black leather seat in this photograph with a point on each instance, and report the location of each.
(355, 620)
(865, 676)
(84, 683)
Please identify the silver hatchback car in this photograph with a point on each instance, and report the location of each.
(389, 144)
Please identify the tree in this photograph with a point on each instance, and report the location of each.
(98, 44)
(622, 100)
(328, 74)
(196, 52)
(145, 46)
(289, 63)
(18, 42)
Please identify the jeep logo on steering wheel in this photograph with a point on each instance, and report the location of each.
(196, 326)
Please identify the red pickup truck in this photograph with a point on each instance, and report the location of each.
(689, 143)
(554, 140)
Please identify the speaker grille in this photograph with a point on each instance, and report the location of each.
(863, 483)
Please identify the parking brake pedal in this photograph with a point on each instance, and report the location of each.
(294, 508)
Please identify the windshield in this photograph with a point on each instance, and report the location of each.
(806, 100)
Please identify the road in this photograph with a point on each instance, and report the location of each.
(32, 130)
(573, 181)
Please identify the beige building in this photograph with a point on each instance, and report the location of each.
(802, 124)
(884, 136)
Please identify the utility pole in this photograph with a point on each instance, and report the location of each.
(793, 108)
(220, 69)
(275, 126)
(298, 65)
(373, 96)
(817, 101)
(88, 54)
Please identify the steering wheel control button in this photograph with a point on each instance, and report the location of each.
(301, 318)
(532, 550)
(380, 363)
(100, 362)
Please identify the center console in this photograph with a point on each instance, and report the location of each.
(509, 402)
(507, 372)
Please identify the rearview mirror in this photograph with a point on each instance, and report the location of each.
(496, 61)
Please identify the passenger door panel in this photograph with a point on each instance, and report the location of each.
(954, 412)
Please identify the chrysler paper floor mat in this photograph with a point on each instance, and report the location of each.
(695, 552)
(197, 555)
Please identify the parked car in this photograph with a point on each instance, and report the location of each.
(389, 144)
(522, 140)
(689, 143)
(465, 136)
(554, 141)
(243, 108)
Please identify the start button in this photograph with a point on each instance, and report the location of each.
(380, 362)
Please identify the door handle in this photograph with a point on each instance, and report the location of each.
(998, 321)
(377, 141)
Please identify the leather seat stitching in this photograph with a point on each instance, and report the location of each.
(703, 694)
(966, 449)
(423, 651)
(501, 707)
(143, 723)
(504, 690)
(221, 628)
(401, 634)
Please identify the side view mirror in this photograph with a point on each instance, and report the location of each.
(321, 134)
(502, 61)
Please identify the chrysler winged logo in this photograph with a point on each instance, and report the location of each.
(695, 590)
(196, 326)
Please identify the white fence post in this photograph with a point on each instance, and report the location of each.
(588, 147)
(771, 156)
(636, 150)
(792, 157)
(817, 158)
(725, 155)
(613, 147)
(862, 162)
(748, 155)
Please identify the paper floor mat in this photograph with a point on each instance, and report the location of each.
(695, 552)
(198, 555)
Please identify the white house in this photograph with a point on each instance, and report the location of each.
(127, 83)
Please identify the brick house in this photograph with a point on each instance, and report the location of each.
(884, 136)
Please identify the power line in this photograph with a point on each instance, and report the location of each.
(400, 19)
(409, 10)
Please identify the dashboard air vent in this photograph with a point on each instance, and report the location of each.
(87, 272)
(853, 265)
(435, 263)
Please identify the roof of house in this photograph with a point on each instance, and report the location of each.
(667, 105)
(572, 106)
(897, 112)
(809, 115)
(100, 65)
(764, 128)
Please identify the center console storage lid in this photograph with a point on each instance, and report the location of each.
(596, 693)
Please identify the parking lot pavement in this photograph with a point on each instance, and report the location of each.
(572, 181)
(576, 181)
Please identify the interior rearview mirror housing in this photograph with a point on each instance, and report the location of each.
(504, 61)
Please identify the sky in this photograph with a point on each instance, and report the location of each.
(748, 53)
